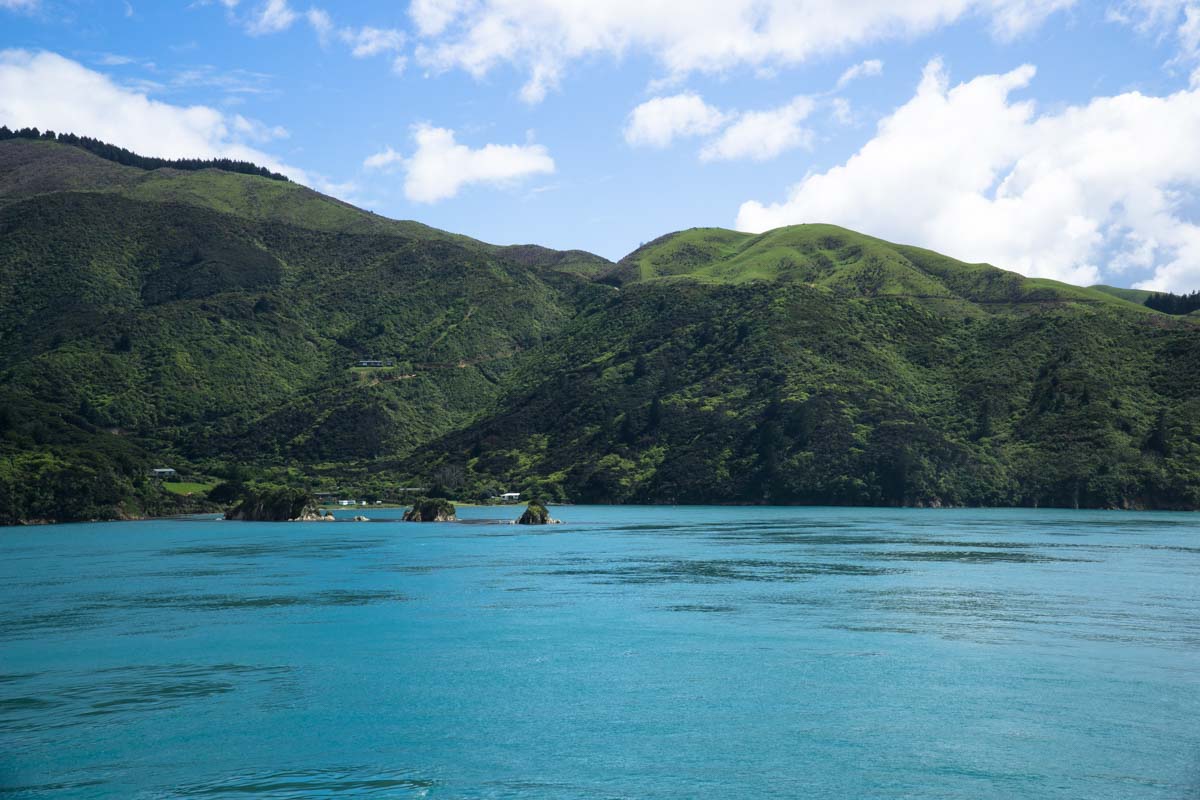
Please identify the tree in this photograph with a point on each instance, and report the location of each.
(1170, 303)
(449, 476)
(1159, 439)
(655, 416)
(639, 369)
(120, 155)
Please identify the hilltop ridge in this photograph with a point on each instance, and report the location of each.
(843, 261)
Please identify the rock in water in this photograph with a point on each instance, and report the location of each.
(427, 509)
(274, 504)
(536, 513)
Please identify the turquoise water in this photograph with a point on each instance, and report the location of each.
(633, 653)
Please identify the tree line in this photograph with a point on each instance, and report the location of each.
(1170, 303)
(130, 159)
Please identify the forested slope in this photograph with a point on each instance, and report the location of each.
(213, 321)
(815, 365)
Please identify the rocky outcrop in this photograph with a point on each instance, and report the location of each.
(279, 504)
(536, 513)
(431, 509)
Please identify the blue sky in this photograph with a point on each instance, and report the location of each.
(1053, 137)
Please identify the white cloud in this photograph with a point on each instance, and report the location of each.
(320, 21)
(368, 41)
(384, 158)
(433, 16)
(257, 131)
(47, 91)
(843, 112)
(979, 176)
(542, 37)
(863, 69)
(272, 16)
(363, 42)
(762, 135)
(1011, 18)
(755, 135)
(19, 5)
(658, 122)
(441, 166)
(1159, 18)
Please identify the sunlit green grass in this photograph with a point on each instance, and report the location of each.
(187, 487)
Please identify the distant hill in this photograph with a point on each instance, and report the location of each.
(111, 152)
(1138, 296)
(214, 322)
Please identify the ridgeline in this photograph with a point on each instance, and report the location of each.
(239, 328)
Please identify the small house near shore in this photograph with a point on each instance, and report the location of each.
(510, 497)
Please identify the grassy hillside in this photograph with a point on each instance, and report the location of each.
(212, 322)
(846, 262)
(1137, 296)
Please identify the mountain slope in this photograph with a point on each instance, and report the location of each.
(211, 316)
(815, 365)
(214, 322)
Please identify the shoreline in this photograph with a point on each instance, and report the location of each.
(200, 516)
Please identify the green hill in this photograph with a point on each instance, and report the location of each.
(814, 365)
(214, 322)
(210, 319)
(1137, 296)
(840, 260)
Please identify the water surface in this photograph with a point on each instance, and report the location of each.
(634, 652)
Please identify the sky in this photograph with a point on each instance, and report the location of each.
(1056, 138)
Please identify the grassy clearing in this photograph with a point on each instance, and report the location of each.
(187, 487)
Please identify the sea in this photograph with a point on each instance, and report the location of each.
(631, 652)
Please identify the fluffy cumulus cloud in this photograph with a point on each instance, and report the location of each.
(542, 37)
(44, 90)
(762, 135)
(440, 167)
(658, 122)
(1073, 194)
(733, 135)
